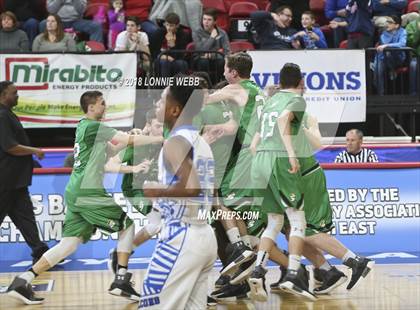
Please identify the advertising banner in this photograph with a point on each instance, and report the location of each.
(50, 86)
(335, 80)
(374, 211)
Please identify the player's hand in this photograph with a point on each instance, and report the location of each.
(312, 122)
(136, 132)
(39, 153)
(294, 163)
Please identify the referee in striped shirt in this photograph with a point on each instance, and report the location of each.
(354, 152)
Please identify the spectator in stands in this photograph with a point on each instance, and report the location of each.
(393, 37)
(273, 29)
(360, 27)
(54, 39)
(16, 167)
(173, 38)
(413, 41)
(383, 9)
(354, 152)
(297, 7)
(335, 11)
(28, 14)
(211, 38)
(132, 39)
(12, 39)
(116, 19)
(311, 37)
(71, 13)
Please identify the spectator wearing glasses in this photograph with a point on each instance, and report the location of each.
(393, 37)
(383, 9)
(297, 7)
(273, 29)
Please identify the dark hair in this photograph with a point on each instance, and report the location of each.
(89, 98)
(358, 132)
(396, 19)
(182, 95)
(290, 75)
(211, 12)
(241, 62)
(60, 28)
(4, 85)
(150, 115)
(11, 15)
(205, 78)
(172, 18)
(280, 9)
(133, 19)
(311, 14)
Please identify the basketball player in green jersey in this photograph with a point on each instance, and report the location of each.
(276, 177)
(235, 188)
(89, 206)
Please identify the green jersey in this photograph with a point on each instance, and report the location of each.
(90, 157)
(250, 113)
(269, 132)
(132, 184)
(218, 113)
(304, 150)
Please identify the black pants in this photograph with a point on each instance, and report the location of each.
(18, 206)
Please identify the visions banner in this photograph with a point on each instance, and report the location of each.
(335, 80)
(50, 86)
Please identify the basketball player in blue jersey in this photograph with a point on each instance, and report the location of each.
(178, 272)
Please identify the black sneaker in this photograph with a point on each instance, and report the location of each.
(22, 290)
(275, 287)
(360, 267)
(319, 275)
(243, 271)
(241, 254)
(231, 293)
(333, 278)
(297, 283)
(222, 281)
(113, 261)
(257, 284)
(123, 287)
(211, 302)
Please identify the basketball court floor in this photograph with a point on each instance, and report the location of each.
(388, 286)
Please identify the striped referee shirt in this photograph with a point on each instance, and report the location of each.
(364, 156)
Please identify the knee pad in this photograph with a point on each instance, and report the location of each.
(64, 248)
(274, 226)
(154, 223)
(125, 240)
(297, 222)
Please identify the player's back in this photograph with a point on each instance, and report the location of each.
(188, 209)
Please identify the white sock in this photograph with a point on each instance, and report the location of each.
(262, 258)
(294, 262)
(349, 254)
(247, 240)
(325, 266)
(28, 276)
(233, 235)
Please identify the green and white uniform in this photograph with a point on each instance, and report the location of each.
(132, 184)
(271, 178)
(89, 206)
(236, 187)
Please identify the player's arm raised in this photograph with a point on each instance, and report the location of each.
(233, 93)
(176, 153)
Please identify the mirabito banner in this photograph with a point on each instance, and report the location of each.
(50, 86)
(335, 80)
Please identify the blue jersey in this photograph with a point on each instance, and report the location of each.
(176, 209)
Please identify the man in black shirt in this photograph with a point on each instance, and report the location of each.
(273, 29)
(16, 166)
